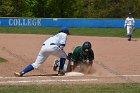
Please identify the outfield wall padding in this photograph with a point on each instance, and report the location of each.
(72, 22)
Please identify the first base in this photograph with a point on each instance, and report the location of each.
(74, 74)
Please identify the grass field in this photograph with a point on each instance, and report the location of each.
(84, 88)
(110, 32)
(2, 60)
(90, 88)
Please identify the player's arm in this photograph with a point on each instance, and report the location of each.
(125, 23)
(91, 57)
(74, 58)
(133, 23)
(63, 41)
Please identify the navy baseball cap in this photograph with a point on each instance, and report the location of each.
(64, 29)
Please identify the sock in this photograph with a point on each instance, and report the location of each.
(27, 69)
(130, 36)
(62, 62)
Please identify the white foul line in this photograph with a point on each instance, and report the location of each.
(75, 76)
(55, 80)
(128, 75)
(45, 81)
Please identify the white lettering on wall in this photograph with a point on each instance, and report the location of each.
(25, 22)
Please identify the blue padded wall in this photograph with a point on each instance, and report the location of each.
(72, 22)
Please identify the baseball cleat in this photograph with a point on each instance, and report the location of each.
(129, 39)
(61, 73)
(18, 74)
(55, 66)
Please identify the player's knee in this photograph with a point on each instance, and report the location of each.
(35, 65)
(64, 56)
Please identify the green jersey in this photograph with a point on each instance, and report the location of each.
(78, 55)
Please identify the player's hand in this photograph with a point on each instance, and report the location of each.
(86, 61)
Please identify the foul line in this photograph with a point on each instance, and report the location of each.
(128, 75)
(46, 81)
(55, 80)
(74, 76)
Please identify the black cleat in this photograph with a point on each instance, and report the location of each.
(18, 74)
(61, 73)
(55, 66)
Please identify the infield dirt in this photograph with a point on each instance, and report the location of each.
(116, 59)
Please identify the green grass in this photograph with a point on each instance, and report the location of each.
(28, 30)
(115, 32)
(2, 60)
(64, 88)
(109, 32)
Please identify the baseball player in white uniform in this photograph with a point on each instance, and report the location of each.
(52, 46)
(129, 25)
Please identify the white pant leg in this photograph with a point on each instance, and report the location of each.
(129, 30)
(58, 52)
(42, 56)
(47, 50)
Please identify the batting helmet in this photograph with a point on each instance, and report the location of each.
(86, 46)
(64, 29)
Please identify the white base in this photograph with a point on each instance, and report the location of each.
(74, 74)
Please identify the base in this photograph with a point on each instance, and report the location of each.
(74, 74)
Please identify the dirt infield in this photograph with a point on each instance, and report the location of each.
(116, 60)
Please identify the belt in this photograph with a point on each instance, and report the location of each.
(50, 44)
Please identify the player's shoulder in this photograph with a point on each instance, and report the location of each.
(127, 18)
(132, 18)
(61, 33)
(78, 48)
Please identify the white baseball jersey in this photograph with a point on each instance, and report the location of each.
(129, 21)
(59, 39)
(51, 47)
(129, 24)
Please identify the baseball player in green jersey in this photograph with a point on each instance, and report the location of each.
(82, 55)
